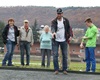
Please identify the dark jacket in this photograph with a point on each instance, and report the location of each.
(66, 26)
(5, 33)
(71, 32)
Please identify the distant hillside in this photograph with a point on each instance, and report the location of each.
(44, 15)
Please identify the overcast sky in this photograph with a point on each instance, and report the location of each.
(55, 3)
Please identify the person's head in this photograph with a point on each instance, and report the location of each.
(11, 21)
(88, 22)
(26, 23)
(59, 13)
(46, 28)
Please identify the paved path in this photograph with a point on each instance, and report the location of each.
(40, 75)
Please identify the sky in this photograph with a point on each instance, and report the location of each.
(54, 3)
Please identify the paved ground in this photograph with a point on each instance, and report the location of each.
(40, 75)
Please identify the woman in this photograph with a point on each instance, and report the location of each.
(46, 45)
(9, 35)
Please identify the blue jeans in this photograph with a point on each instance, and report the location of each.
(63, 46)
(90, 59)
(8, 56)
(25, 46)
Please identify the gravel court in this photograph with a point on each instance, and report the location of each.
(40, 75)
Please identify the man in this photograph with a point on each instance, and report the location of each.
(26, 40)
(90, 37)
(61, 32)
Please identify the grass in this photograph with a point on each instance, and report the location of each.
(74, 66)
(77, 66)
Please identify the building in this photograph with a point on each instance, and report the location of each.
(74, 49)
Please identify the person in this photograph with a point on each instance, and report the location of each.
(60, 28)
(46, 45)
(9, 35)
(90, 38)
(26, 41)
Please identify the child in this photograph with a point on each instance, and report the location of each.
(46, 45)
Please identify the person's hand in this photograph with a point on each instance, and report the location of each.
(84, 37)
(81, 46)
(53, 35)
(17, 44)
(31, 45)
(70, 38)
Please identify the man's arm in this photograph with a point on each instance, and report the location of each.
(32, 40)
(83, 39)
(68, 29)
(71, 34)
(90, 36)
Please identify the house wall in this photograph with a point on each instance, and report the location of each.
(74, 49)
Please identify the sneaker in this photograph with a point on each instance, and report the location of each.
(91, 71)
(11, 65)
(56, 72)
(27, 64)
(65, 72)
(84, 60)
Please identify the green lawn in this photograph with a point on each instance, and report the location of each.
(74, 66)
(77, 66)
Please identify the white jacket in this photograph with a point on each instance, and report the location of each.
(26, 36)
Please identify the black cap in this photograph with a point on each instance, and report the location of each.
(59, 11)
